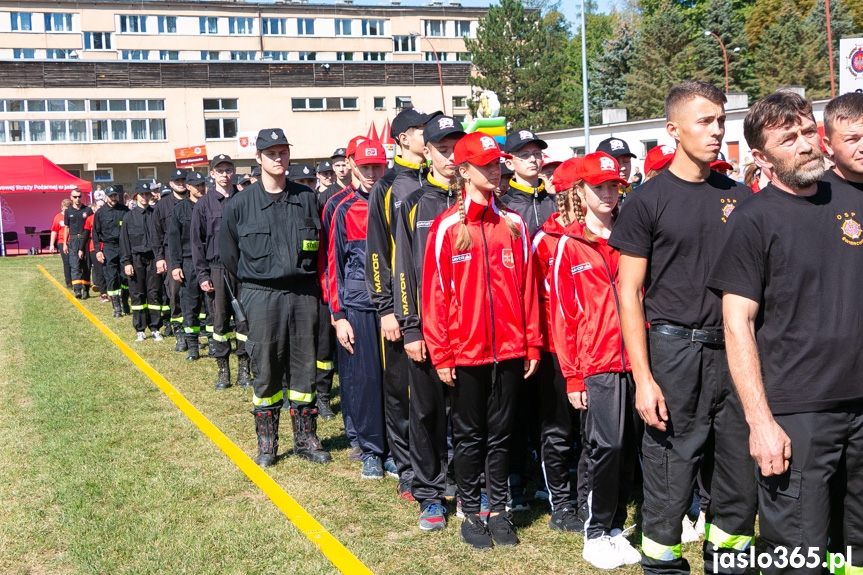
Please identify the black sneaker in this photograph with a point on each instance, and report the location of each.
(566, 519)
(473, 532)
(500, 529)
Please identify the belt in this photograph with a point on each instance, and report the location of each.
(711, 336)
(76, 237)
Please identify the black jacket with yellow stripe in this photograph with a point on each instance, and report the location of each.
(534, 205)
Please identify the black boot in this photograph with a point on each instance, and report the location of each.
(77, 289)
(267, 430)
(192, 345)
(324, 409)
(182, 345)
(169, 328)
(85, 292)
(224, 380)
(244, 375)
(115, 303)
(306, 442)
(124, 300)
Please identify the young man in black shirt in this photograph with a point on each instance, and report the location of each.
(106, 233)
(789, 273)
(172, 317)
(75, 248)
(136, 256)
(669, 234)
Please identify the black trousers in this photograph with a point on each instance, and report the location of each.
(428, 431)
(482, 405)
(281, 343)
(559, 429)
(525, 428)
(79, 268)
(611, 450)
(111, 268)
(145, 292)
(221, 312)
(190, 296)
(705, 426)
(97, 273)
(397, 407)
(67, 271)
(822, 488)
(326, 352)
(172, 309)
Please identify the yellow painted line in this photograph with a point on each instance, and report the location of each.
(344, 560)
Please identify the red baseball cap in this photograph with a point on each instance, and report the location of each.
(370, 152)
(658, 157)
(567, 173)
(599, 168)
(720, 163)
(477, 148)
(352, 145)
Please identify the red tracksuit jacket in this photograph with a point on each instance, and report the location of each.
(544, 247)
(586, 320)
(479, 306)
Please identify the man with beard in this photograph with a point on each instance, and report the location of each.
(792, 312)
(669, 234)
(173, 315)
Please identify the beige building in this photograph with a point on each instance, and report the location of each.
(109, 89)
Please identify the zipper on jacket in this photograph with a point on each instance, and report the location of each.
(535, 213)
(488, 281)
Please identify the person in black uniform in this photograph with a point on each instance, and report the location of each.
(75, 248)
(269, 239)
(326, 176)
(303, 174)
(619, 150)
(181, 265)
(206, 221)
(159, 237)
(136, 256)
(106, 233)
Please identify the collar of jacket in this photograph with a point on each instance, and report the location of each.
(436, 184)
(137, 207)
(540, 188)
(271, 198)
(474, 210)
(400, 161)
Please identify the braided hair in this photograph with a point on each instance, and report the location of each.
(463, 241)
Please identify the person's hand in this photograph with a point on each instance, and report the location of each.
(416, 350)
(530, 367)
(345, 335)
(332, 320)
(390, 327)
(80, 254)
(161, 266)
(101, 257)
(770, 446)
(207, 285)
(578, 399)
(66, 249)
(52, 249)
(447, 375)
(130, 270)
(650, 404)
(177, 274)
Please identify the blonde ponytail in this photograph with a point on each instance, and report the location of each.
(463, 241)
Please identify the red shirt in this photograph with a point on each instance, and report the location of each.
(58, 226)
(88, 225)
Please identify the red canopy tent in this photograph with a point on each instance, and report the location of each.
(33, 175)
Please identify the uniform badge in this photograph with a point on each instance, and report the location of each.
(851, 229)
(274, 136)
(508, 259)
(305, 170)
(728, 205)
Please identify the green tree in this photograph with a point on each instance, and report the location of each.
(609, 69)
(721, 19)
(841, 25)
(522, 57)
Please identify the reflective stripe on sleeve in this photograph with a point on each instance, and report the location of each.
(326, 365)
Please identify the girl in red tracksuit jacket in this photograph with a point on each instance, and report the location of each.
(589, 344)
(481, 328)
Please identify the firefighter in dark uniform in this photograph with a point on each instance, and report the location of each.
(270, 239)
(106, 232)
(206, 221)
(181, 265)
(619, 150)
(162, 211)
(75, 247)
(136, 256)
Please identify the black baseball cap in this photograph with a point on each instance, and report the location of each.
(195, 178)
(256, 172)
(504, 169)
(271, 137)
(441, 127)
(301, 172)
(178, 174)
(339, 153)
(409, 118)
(615, 147)
(240, 179)
(221, 159)
(324, 166)
(111, 190)
(165, 190)
(520, 138)
(140, 188)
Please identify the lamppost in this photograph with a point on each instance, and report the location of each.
(724, 55)
(437, 59)
(584, 81)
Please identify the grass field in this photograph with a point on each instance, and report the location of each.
(101, 473)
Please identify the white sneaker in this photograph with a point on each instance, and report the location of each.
(157, 336)
(689, 534)
(602, 553)
(628, 554)
(699, 525)
(141, 336)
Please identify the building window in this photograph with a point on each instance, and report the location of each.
(97, 40)
(167, 24)
(133, 54)
(374, 56)
(380, 103)
(103, 175)
(16, 131)
(36, 105)
(99, 130)
(373, 27)
(404, 44)
(117, 105)
(462, 56)
(242, 55)
(157, 129)
(208, 25)
(462, 28)
(128, 130)
(77, 130)
(343, 27)
(75, 105)
(137, 105)
(275, 26)
(23, 53)
(319, 104)
(156, 105)
(308, 56)
(403, 102)
(649, 145)
(36, 131)
(130, 24)
(220, 128)
(57, 54)
(221, 105)
(459, 101)
(240, 25)
(209, 55)
(22, 22)
(169, 55)
(119, 129)
(345, 56)
(430, 57)
(305, 26)
(307, 103)
(276, 56)
(58, 22)
(349, 103)
(148, 174)
(434, 27)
